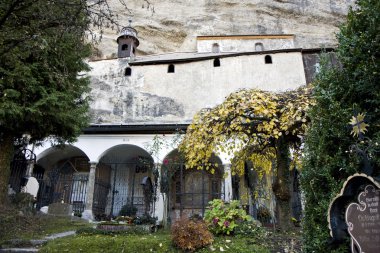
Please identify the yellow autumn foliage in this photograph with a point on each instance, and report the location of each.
(246, 126)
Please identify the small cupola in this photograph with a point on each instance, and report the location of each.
(127, 42)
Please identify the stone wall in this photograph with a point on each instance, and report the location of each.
(152, 95)
(175, 24)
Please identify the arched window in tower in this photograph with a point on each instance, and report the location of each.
(128, 71)
(124, 47)
(217, 62)
(259, 46)
(171, 68)
(268, 59)
(215, 48)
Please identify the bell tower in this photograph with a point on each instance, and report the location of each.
(127, 42)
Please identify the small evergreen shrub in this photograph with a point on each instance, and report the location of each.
(223, 218)
(190, 235)
(128, 210)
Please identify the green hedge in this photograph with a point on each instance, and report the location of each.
(339, 92)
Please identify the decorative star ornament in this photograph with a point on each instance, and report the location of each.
(358, 124)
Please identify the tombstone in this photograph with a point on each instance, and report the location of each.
(44, 209)
(31, 186)
(88, 215)
(363, 221)
(60, 209)
(354, 213)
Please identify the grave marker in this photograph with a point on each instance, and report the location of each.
(363, 221)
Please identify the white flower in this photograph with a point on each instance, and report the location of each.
(160, 244)
(228, 241)
(221, 248)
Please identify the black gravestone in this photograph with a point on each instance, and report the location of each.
(363, 221)
(349, 193)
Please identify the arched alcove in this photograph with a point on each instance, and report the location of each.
(65, 177)
(190, 189)
(126, 167)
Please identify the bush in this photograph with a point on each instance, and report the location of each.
(222, 218)
(190, 235)
(250, 229)
(339, 93)
(128, 210)
(145, 219)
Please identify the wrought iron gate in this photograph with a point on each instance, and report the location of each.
(64, 184)
(191, 190)
(126, 188)
(19, 167)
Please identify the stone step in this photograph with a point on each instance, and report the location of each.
(18, 250)
(16, 245)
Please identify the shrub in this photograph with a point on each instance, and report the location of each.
(190, 235)
(339, 93)
(145, 219)
(250, 229)
(222, 218)
(128, 210)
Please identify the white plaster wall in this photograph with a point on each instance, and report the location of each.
(193, 86)
(94, 146)
(243, 45)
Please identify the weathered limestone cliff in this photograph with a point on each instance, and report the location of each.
(174, 24)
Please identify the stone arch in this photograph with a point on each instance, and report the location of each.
(66, 169)
(189, 189)
(126, 166)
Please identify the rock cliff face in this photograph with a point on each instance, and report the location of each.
(174, 24)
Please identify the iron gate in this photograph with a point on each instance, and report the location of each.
(64, 184)
(19, 167)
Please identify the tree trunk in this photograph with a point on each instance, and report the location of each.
(281, 186)
(6, 152)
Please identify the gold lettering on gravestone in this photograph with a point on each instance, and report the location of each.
(363, 221)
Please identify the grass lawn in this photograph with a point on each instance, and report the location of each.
(18, 225)
(24, 226)
(157, 242)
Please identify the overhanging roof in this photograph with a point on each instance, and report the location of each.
(189, 57)
(136, 129)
